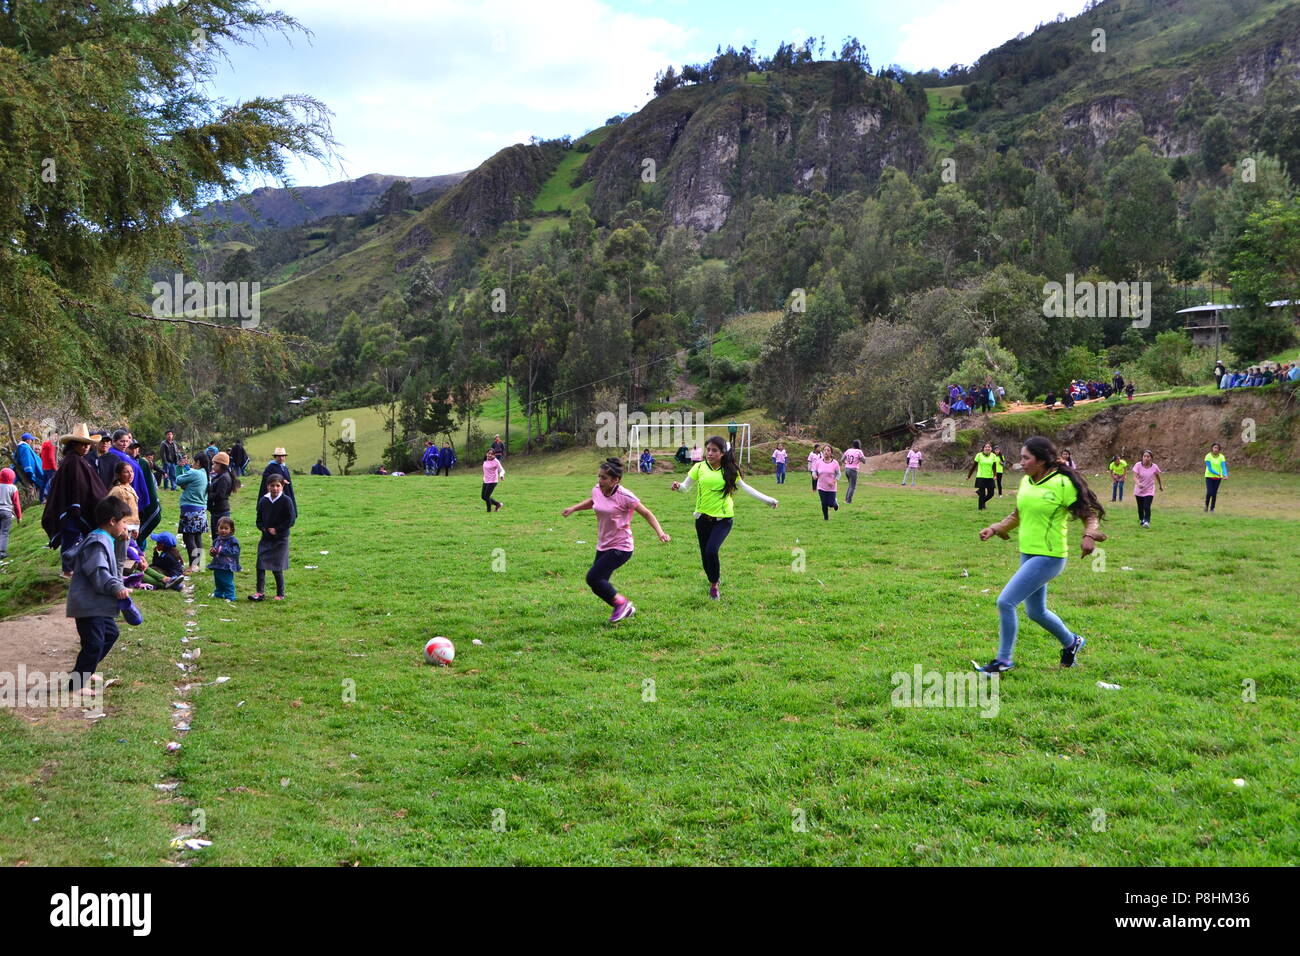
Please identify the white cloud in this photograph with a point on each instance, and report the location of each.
(438, 86)
(962, 31)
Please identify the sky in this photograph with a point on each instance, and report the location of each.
(423, 87)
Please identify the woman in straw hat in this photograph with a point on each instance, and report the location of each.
(70, 504)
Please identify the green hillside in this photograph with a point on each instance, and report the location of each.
(559, 193)
(302, 438)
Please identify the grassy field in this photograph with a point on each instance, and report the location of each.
(558, 192)
(754, 730)
(302, 438)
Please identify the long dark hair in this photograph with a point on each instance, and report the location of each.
(730, 470)
(1086, 503)
(117, 472)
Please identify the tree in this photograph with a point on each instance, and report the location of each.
(1266, 267)
(1216, 144)
(323, 420)
(1141, 215)
(345, 454)
(987, 360)
(109, 128)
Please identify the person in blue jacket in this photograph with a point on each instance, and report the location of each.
(447, 459)
(430, 458)
(28, 464)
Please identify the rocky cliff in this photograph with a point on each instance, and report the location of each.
(705, 148)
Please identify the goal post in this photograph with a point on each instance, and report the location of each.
(640, 437)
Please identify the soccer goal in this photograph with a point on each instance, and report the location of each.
(662, 436)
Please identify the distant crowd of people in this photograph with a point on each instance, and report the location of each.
(1266, 373)
(977, 398)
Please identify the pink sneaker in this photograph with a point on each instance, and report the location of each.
(623, 611)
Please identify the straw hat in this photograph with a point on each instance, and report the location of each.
(80, 434)
(278, 452)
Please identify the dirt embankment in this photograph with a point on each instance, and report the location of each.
(1256, 430)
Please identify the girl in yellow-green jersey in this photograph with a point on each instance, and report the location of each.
(716, 479)
(1050, 492)
(1216, 469)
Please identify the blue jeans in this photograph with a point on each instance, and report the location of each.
(1029, 586)
(169, 476)
(1117, 488)
(780, 473)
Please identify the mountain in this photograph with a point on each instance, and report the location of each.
(297, 205)
(1159, 68)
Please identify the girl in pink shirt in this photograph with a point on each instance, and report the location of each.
(1147, 473)
(613, 505)
(913, 465)
(493, 472)
(814, 456)
(853, 457)
(826, 472)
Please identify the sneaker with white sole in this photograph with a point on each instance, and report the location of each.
(714, 593)
(994, 666)
(1070, 654)
(622, 612)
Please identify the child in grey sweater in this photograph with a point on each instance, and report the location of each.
(96, 588)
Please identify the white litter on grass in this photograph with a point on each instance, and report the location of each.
(166, 787)
(185, 640)
(181, 843)
(582, 542)
(986, 591)
(965, 573)
(182, 728)
(181, 666)
(1239, 782)
(1104, 686)
(285, 781)
(476, 641)
(311, 567)
(221, 680)
(324, 552)
(241, 703)
(172, 746)
(1125, 567)
(226, 620)
(180, 705)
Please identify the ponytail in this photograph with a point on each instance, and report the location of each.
(1085, 503)
(730, 470)
(613, 467)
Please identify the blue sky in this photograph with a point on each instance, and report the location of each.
(421, 87)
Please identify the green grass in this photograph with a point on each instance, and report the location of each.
(558, 192)
(301, 438)
(775, 700)
(743, 336)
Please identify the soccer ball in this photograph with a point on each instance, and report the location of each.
(439, 650)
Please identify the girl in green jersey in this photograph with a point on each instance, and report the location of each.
(717, 478)
(986, 462)
(1050, 492)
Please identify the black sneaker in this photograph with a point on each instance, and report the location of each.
(994, 666)
(1069, 654)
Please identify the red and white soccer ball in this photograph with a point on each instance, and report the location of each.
(440, 651)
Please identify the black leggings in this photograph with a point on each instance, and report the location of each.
(999, 479)
(712, 532)
(1144, 507)
(488, 488)
(1212, 492)
(606, 563)
(261, 581)
(828, 502)
(445, 469)
(984, 488)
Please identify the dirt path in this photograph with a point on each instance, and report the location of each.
(45, 643)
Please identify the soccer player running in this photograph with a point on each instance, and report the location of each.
(614, 506)
(1050, 492)
(852, 458)
(1146, 475)
(986, 463)
(827, 470)
(716, 479)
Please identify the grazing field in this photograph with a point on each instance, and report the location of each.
(755, 730)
